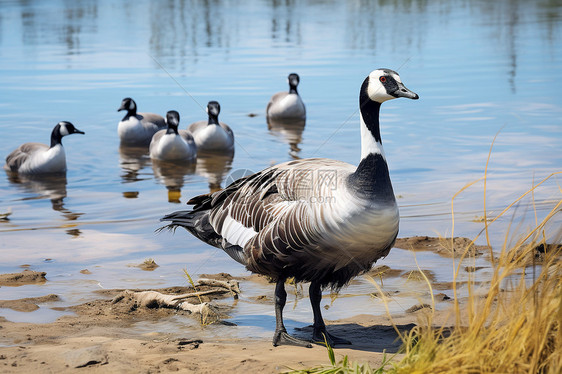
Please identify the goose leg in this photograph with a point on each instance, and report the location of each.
(319, 332)
(281, 335)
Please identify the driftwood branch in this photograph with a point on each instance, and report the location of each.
(155, 299)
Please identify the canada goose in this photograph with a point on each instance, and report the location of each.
(38, 158)
(212, 136)
(287, 105)
(318, 220)
(137, 129)
(172, 144)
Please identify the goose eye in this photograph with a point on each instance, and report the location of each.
(382, 79)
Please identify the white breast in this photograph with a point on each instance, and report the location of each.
(290, 106)
(171, 147)
(133, 131)
(212, 137)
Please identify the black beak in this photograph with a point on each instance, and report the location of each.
(402, 91)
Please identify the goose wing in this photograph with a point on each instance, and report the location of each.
(274, 99)
(186, 135)
(196, 126)
(157, 136)
(152, 121)
(21, 154)
(278, 216)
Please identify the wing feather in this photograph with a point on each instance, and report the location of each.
(21, 154)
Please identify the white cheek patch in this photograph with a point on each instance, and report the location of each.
(376, 90)
(63, 130)
(131, 105)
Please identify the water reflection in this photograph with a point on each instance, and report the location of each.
(51, 187)
(66, 26)
(191, 27)
(290, 132)
(172, 175)
(285, 23)
(214, 168)
(132, 160)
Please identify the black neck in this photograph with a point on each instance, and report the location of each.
(293, 89)
(213, 120)
(130, 112)
(371, 180)
(56, 137)
(370, 112)
(172, 130)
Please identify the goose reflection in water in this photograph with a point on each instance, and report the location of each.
(214, 167)
(290, 132)
(132, 160)
(172, 175)
(46, 186)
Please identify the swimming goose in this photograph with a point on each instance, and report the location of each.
(318, 220)
(37, 158)
(287, 105)
(173, 144)
(212, 135)
(137, 129)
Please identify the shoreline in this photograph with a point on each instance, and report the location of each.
(102, 334)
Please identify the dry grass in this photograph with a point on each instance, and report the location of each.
(515, 328)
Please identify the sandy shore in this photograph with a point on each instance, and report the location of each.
(98, 336)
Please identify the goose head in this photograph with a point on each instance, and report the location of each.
(173, 121)
(385, 84)
(213, 109)
(129, 105)
(62, 129)
(293, 80)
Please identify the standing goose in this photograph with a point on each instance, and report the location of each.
(212, 136)
(287, 105)
(38, 158)
(318, 220)
(172, 144)
(137, 129)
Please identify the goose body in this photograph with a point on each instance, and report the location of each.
(318, 220)
(38, 158)
(212, 135)
(173, 144)
(137, 129)
(287, 105)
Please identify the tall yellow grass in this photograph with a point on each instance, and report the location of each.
(516, 327)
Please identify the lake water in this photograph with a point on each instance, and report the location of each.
(481, 68)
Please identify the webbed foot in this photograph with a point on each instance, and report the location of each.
(282, 337)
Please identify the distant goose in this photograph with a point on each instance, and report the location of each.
(317, 220)
(37, 158)
(137, 129)
(173, 144)
(287, 105)
(212, 135)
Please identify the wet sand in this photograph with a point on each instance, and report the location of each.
(100, 335)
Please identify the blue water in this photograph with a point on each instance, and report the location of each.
(481, 68)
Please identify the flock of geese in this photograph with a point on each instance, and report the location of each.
(314, 220)
(165, 140)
